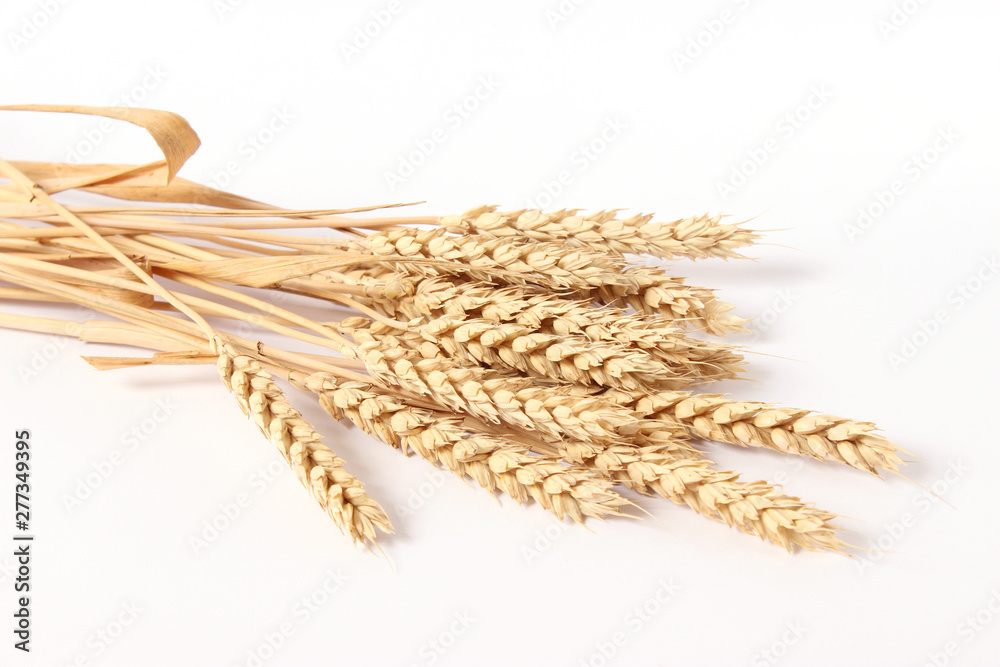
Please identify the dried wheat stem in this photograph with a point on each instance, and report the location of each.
(37, 192)
(339, 493)
(694, 237)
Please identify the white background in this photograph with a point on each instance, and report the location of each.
(685, 95)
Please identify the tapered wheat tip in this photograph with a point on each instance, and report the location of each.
(661, 294)
(695, 237)
(319, 470)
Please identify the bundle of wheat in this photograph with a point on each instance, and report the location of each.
(522, 349)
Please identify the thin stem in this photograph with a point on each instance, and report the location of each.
(37, 192)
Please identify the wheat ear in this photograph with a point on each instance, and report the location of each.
(572, 358)
(788, 430)
(695, 237)
(496, 397)
(548, 314)
(552, 265)
(661, 294)
(319, 470)
(495, 463)
(756, 508)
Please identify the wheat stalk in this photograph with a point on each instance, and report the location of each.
(521, 349)
(756, 508)
(788, 430)
(544, 313)
(319, 470)
(570, 358)
(695, 237)
(660, 294)
(551, 265)
(496, 464)
(518, 401)
(659, 461)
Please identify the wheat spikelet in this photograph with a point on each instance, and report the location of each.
(694, 237)
(496, 464)
(788, 430)
(338, 492)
